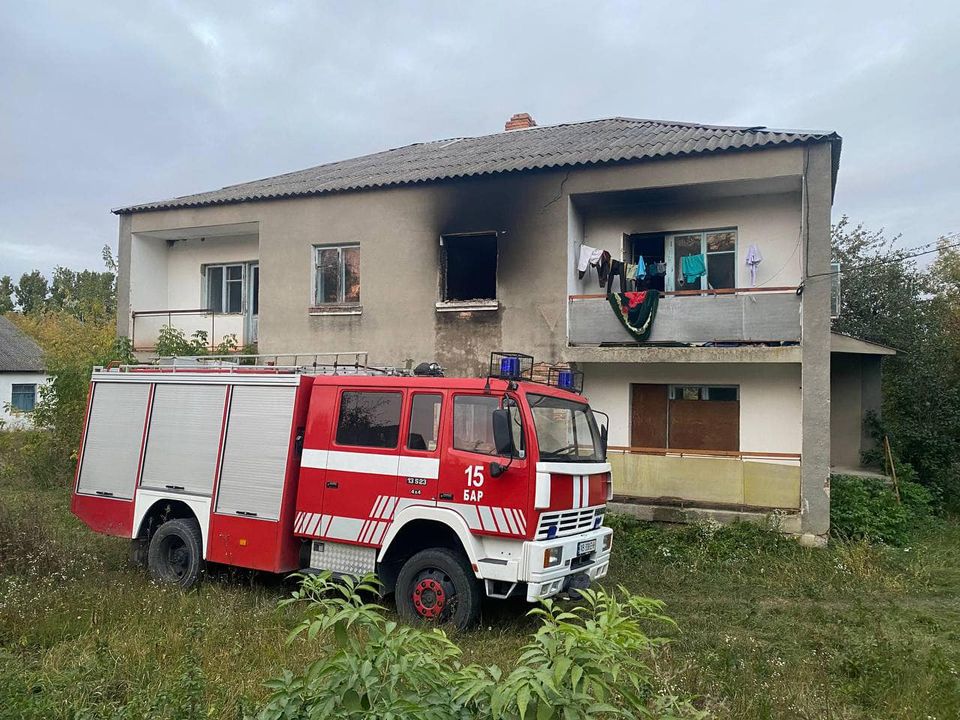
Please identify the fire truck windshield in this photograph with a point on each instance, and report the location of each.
(566, 430)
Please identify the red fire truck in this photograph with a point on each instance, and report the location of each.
(447, 488)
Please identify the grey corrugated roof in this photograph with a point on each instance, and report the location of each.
(18, 353)
(584, 143)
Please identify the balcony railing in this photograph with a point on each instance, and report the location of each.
(704, 478)
(146, 325)
(736, 315)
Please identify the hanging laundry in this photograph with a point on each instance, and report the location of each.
(754, 258)
(588, 256)
(653, 269)
(617, 269)
(641, 272)
(693, 267)
(661, 268)
(636, 311)
(603, 267)
(631, 269)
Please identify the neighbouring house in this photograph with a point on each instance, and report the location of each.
(22, 374)
(449, 249)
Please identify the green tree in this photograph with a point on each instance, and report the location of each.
(85, 294)
(32, 292)
(6, 294)
(889, 298)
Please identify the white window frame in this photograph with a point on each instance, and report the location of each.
(670, 256)
(224, 295)
(315, 301)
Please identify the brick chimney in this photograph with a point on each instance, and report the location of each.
(520, 121)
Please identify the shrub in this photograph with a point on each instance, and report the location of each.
(580, 663)
(863, 508)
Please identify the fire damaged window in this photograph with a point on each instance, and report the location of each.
(336, 275)
(468, 269)
(369, 419)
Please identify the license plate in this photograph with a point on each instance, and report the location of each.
(587, 546)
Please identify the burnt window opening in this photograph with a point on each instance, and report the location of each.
(468, 267)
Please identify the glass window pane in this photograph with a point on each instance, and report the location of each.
(351, 275)
(23, 397)
(215, 289)
(234, 296)
(256, 289)
(683, 246)
(424, 422)
(369, 419)
(722, 394)
(721, 241)
(328, 275)
(473, 423)
(721, 270)
(234, 272)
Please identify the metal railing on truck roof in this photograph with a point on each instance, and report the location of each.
(328, 363)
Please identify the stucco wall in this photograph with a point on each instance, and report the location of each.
(399, 233)
(854, 391)
(770, 397)
(7, 381)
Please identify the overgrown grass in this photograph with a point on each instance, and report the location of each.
(767, 629)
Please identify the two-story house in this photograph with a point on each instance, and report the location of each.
(444, 251)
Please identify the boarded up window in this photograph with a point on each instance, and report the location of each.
(685, 417)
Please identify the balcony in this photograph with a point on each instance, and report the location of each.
(216, 327)
(699, 478)
(694, 317)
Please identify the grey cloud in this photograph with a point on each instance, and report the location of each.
(107, 104)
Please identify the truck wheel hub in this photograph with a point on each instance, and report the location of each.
(429, 597)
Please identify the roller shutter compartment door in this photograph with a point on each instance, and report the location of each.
(111, 448)
(255, 451)
(184, 438)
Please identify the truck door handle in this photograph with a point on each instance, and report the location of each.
(446, 496)
(332, 485)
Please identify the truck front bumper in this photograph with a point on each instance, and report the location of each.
(577, 567)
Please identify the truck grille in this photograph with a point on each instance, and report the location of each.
(569, 522)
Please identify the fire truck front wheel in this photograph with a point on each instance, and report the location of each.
(437, 585)
(175, 556)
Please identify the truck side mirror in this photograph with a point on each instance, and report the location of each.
(502, 435)
(603, 441)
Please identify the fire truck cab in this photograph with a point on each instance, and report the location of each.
(447, 488)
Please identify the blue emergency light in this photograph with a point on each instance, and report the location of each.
(565, 379)
(509, 367)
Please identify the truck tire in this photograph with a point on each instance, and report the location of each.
(437, 585)
(176, 553)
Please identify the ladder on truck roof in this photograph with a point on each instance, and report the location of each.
(327, 363)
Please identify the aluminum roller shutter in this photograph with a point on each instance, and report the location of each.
(111, 449)
(255, 451)
(184, 438)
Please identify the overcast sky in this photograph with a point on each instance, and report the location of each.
(108, 104)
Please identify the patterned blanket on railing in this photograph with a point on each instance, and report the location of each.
(636, 311)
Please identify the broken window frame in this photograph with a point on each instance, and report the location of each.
(317, 284)
(445, 304)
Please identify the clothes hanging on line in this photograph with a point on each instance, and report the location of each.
(588, 256)
(641, 272)
(617, 269)
(693, 267)
(631, 270)
(754, 258)
(603, 267)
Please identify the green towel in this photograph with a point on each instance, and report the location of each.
(693, 267)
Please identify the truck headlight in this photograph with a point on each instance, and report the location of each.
(552, 557)
(607, 542)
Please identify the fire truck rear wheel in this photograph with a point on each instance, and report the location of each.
(437, 585)
(176, 556)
